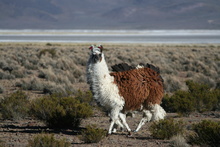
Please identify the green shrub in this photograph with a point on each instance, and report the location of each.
(205, 99)
(48, 44)
(1, 89)
(181, 102)
(15, 106)
(208, 132)
(216, 93)
(167, 128)
(92, 134)
(47, 140)
(60, 112)
(32, 84)
(52, 52)
(18, 73)
(84, 96)
(199, 97)
(2, 143)
(6, 75)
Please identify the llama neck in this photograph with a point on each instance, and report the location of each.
(102, 86)
(100, 70)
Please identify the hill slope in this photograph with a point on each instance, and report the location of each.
(106, 14)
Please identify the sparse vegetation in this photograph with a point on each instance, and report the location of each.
(2, 144)
(85, 97)
(48, 44)
(65, 64)
(207, 132)
(178, 141)
(92, 134)
(167, 128)
(47, 140)
(15, 106)
(32, 84)
(1, 89)
(199, 97)
(50, 68)
(52, 52)
(60, 112)
(6, 75)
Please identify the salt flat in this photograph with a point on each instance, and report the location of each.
(112, 36)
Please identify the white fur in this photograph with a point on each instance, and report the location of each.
(106, 93)
(139, 66)
(146, 118)
(157, 112)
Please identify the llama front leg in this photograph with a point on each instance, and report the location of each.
(147, 115)
(123, 119)
(118, 124)
(114, 117)
(110, 127)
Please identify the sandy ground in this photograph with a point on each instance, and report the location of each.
(17, 133)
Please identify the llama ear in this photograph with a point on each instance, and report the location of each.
(100, 47)
(91, 47)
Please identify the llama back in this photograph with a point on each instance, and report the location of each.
(125, 67)
(139, 86)
(122, 67)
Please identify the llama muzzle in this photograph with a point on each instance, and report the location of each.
(96, 57)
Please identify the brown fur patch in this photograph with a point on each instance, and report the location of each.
(139, 86)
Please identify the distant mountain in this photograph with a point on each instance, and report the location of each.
(109, 14)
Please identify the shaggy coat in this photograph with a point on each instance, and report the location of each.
(139, 87)
(124, 91)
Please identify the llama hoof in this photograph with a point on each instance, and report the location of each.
(129, 134)
(114, 130)
(135, 131)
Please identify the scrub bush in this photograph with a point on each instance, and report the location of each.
(52, 52)
(92, 134)
(1, 89)
(84, 96)
(60, 112)
(47, 140)
(16, 106)
(199, 97)
(167, 128)
(205, 98)
(208, 133)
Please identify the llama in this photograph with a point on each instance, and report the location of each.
(125, 91)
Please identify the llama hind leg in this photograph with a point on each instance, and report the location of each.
(146, 118)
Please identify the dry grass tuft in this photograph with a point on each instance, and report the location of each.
(59, 67)
(178, 141)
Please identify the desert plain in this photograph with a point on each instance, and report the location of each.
(43, 68)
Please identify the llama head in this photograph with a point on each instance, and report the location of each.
(96, 53)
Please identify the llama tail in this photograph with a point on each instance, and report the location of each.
(158, 113)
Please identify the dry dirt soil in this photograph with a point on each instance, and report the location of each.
(17, 133)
